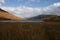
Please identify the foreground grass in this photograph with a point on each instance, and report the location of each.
(30, 31)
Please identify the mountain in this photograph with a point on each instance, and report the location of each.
(39, 17)
(51, 18)
(4, 15)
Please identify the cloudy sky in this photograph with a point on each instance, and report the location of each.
(30, 8)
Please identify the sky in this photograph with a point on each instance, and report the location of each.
(31, 8)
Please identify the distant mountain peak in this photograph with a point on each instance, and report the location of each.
(1, 10)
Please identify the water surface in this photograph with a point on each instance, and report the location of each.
(21, 21)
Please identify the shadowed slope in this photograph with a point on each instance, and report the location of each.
(49, 18)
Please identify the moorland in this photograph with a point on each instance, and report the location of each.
(29, 30)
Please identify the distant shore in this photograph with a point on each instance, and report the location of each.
(21, 21)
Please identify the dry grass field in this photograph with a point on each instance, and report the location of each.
(30, 31)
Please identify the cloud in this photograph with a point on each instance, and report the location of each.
(34, 0)
(53, 9)
(28, 2)
(23, 11)
(2, 1)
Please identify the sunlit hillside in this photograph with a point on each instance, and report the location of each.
(4, 15)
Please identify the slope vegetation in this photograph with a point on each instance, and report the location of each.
(4, 15)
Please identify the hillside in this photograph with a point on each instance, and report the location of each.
(4, 15)
(52, 18)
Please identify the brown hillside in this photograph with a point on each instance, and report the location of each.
(52, 19)
(47, 18)
(4, 15)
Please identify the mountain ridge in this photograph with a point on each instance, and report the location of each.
(8, 16)
(47, 18)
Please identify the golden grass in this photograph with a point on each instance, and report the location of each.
(30, 31)
(6, 15)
